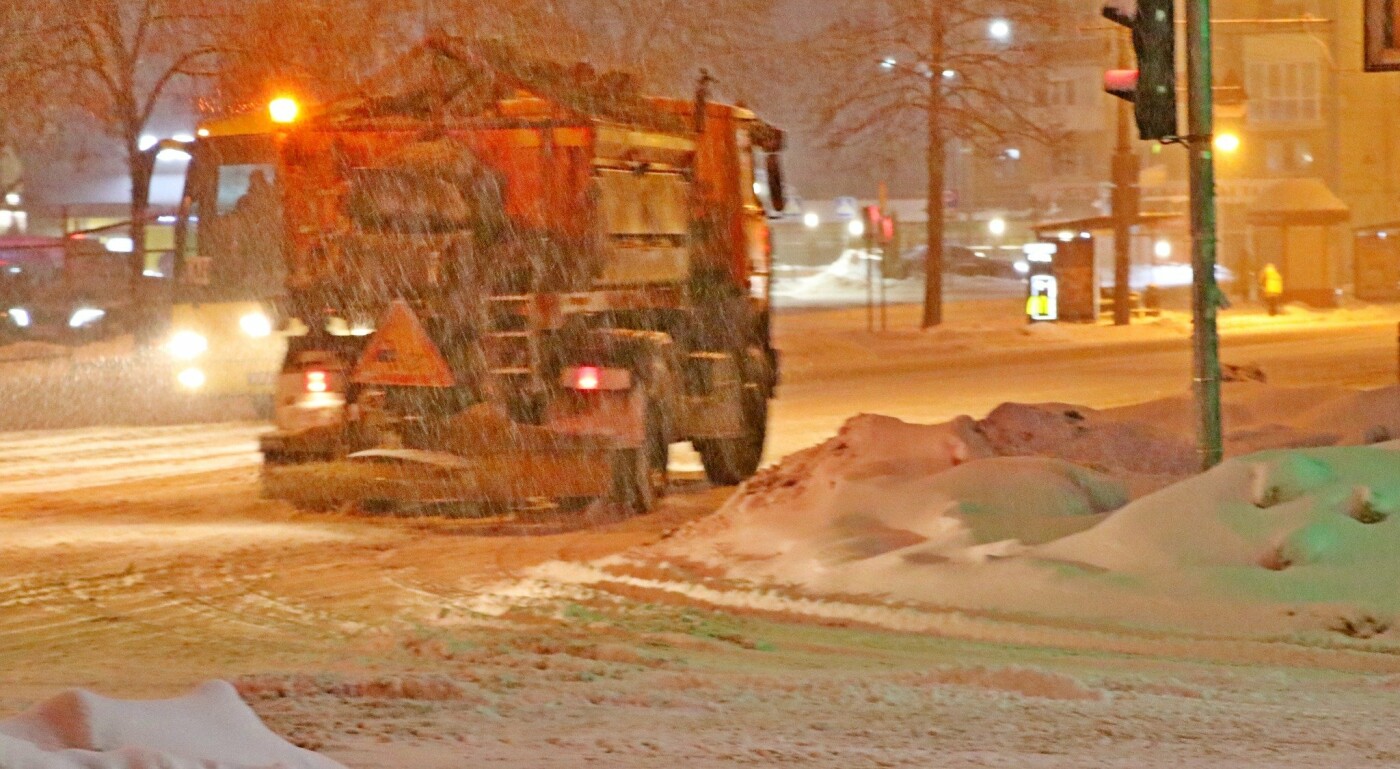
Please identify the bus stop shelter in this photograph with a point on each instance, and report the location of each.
(1291, 226)
(1077, 264)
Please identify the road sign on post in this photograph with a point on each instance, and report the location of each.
(1152, 86)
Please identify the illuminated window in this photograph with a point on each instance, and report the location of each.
(1284, 92)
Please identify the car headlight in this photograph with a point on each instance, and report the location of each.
(255, 324)
(186, 345)
(85, 316)
(19, 316)
(191, 378)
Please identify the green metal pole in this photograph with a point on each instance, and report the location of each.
(1125, 174)
(1205, 296)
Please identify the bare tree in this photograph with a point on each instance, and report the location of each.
(26, 111)
(316, 49)
(667, 42)
(116, 61)
(324, 49)
(915, 74)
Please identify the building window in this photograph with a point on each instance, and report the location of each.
(1284, 92)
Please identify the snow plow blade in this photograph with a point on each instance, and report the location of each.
(391, 480)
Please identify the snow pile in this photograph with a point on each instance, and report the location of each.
(943, 515)
(1313, 530)
(210, 728)
(1319, 508)
(1258, 417)
(929, 494)
(845, 282)
(1099, 439)
(1151, 444)
(847, 272)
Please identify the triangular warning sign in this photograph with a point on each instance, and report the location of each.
(401, 354)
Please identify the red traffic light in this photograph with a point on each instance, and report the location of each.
(1152, 86)
(1121, 83)
(880, 226)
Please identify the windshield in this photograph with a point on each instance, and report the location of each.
(228, 237)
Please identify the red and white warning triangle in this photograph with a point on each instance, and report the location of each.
(402, 355)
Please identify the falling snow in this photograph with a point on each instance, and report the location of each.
(981, 542)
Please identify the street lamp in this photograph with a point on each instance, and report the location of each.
(283, 110)
(811, 220)
(999, 30)
(856, 228)
(1227, 143)
(997, 227)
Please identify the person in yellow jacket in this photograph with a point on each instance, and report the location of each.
(1037, 306)
(1272, 283)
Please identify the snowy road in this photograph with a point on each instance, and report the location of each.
(366, 637)
(60, 460)
(899, 374)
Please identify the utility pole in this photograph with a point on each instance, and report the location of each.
(1125, 204)
(936, 161)
(1205, 294)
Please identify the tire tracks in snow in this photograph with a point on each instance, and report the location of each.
(41, 617)
(46, 461)
(962, 625)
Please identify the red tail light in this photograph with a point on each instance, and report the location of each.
(587, 378)
(317, 382)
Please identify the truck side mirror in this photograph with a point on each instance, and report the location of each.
(775, 182)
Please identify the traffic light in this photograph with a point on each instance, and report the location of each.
(879, 225)
(1152, 86)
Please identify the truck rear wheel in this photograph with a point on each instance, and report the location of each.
(731, 461)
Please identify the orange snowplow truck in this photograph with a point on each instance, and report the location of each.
(516, 281)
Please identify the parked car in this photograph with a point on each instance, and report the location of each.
(88, 296)
(961, 260)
